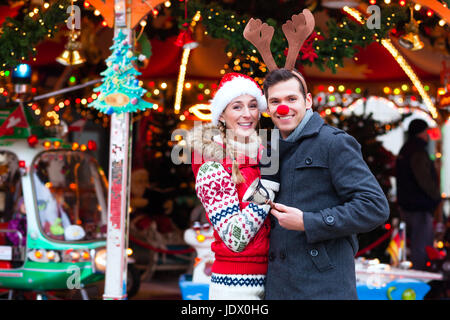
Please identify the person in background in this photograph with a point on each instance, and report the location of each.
(418, 192)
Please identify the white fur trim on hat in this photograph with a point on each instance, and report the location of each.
(231, 89)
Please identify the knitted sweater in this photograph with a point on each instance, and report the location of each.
(241, 229)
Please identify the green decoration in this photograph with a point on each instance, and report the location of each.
(389, 292)
(120, 90)
(146, 46)
(56, 228)
(325, 49)
(409, 294)
(18, 39)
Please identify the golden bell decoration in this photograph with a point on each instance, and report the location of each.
(72, 53)
(411, 39)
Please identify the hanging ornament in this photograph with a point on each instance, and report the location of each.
(120, 91)
(72, 52)
(411, 39)
(71, 55)
(184, 38)
(143, 49)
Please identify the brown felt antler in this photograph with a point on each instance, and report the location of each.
(296, 30)
(260, 35)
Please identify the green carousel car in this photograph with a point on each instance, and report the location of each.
(53, 211)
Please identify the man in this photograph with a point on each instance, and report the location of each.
(418, 193)
(327, 195)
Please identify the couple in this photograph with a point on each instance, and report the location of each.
(306, 242)
(302, 246)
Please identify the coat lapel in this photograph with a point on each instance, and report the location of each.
(312, 128)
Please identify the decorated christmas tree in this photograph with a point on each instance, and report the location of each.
(120, 90)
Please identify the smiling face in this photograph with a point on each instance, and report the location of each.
(287, 93)
(241, 115)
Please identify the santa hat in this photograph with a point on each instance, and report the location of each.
(231, 86)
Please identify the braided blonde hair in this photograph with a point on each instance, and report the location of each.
(236, 174)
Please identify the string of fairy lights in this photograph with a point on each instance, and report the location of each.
(401, 105)
(197, 96)
(401, 61)
(54, 108)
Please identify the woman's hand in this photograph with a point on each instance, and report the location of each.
(289, 218)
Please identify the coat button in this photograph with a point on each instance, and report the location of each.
(271, 256)
(329, 220)
(314, 252)
(283, 255)
(308, 161)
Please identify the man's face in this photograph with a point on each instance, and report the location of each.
(287, 93)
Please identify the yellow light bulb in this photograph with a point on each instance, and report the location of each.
(75, 146)
(86, 255)
(200, 238)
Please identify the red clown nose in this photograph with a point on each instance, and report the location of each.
(282, 109)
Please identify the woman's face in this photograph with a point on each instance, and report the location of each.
(241, 115)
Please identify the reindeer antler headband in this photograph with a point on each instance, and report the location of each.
(296, 31)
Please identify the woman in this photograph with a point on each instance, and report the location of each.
(225, 163)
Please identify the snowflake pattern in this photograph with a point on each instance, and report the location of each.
(219, 196)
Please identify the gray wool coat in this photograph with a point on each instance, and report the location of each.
(323, 174)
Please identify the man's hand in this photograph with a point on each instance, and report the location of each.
(288, 217)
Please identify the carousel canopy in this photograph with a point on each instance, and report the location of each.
(370, 64)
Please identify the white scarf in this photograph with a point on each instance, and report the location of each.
(239, 147)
